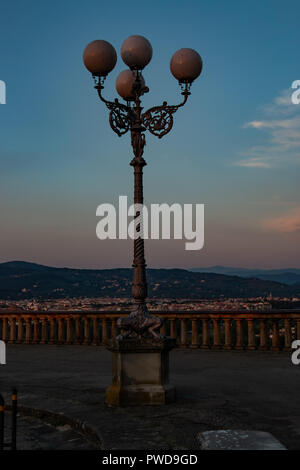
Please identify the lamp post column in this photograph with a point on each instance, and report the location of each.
(139, 285)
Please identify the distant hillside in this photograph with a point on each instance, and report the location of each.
(285, 276)
(20, 280)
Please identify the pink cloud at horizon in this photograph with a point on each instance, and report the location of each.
(286, 223)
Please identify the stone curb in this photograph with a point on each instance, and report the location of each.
(59, 419)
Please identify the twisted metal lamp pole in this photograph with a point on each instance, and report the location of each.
(186, 65)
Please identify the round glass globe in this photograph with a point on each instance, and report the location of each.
(186, 65)
(99, 57)
(125, 82)
(136, 52)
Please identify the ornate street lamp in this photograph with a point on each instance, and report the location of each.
(186, 64)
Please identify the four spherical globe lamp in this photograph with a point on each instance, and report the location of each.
(100, 58)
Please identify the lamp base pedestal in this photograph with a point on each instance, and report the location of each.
(140, 371)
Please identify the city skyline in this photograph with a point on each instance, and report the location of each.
(234, 147)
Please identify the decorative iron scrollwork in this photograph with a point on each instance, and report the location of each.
(159, 120)
(119, 122)
(120, 116)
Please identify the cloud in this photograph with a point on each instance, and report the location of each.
(284, 99)
(253, 163)
(281, 124)
(255, 124)
(281, 106)
(286, 223)
(275, 124)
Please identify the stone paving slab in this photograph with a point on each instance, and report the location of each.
(215, 390)
(229, 439)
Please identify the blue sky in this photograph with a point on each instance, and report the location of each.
(234, 146)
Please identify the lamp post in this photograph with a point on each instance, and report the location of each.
(141, 355)
(186, 64)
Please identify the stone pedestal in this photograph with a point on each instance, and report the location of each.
(140, 372)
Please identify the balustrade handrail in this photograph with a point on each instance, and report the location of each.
(274, 329)
(278, 313)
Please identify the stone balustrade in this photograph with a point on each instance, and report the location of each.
(273, 330)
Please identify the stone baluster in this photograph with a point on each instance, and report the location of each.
(4, 329)
(86, 322)
(298, 329)
(113, 328)
(173, 332)
(95, 335)
(20, 330)
(275, 336)
(52, 320)
(263, 343)
(216, 334)
(163, 328)
(183, 336)
(12, 336)
(69, 330)
(251, 337)
(195, 336)
(43, 330)
(228, 340)
(205, 334)
(78, 330)
(239, 334)
(60, 330)
(27, 330)
(287, 335)
(35, 339)
(104, 331)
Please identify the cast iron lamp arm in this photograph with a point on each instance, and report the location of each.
(120, 116)
(159, 119)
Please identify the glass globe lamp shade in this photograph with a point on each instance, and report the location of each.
(136, 52)
(186, 65)
(125, 84)
(99, 57)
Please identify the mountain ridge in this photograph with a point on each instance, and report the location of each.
(284, 275)
(21, 280)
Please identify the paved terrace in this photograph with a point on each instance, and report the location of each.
(216, 390)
